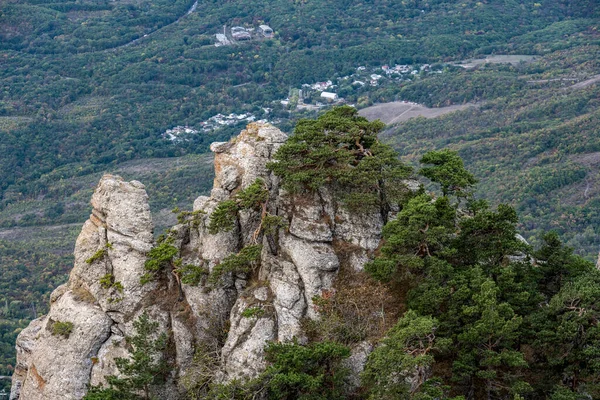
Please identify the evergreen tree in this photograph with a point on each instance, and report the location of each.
(341, 149)
(144, 368)
(447, 169)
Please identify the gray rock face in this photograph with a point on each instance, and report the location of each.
(121, 229)
(269, 303)
(112, 242)
(243, 352)
(356, 362)
(59, 367)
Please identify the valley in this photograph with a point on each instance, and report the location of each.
(91, 87)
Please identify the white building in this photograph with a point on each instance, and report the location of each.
(240, 33)
(329, 96)
(266, 31)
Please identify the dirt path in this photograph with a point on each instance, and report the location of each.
(586, 83)
(399, 111)
(134, 41)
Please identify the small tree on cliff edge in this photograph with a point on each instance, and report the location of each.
(144, 368)
(447, 168)
(340, 149)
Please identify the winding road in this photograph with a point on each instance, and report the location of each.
(147, 35)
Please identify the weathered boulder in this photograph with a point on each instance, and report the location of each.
(252, 326)
(59, 364)
(113, 245)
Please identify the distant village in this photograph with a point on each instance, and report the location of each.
(181, 133)
(310, 96)
(324, 94)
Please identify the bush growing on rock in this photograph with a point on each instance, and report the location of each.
(236, 263)
(251, 198)
(63, 329)
(341, 149)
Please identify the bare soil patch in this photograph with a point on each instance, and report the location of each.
(398, 111)
(586, 83)
(499, 59)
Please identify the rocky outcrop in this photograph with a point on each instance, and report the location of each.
(112, 245)
(237, 317)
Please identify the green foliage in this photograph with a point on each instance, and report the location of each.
(272, 223)
(193, 218)
(447, 169)
(525, 148)
(497, 311)
(526, 143)
(295, 372)
(143, 368)
(106, 281)
(223, 218)
(100, 393)
(252, 312)
(99, 255)
(406, 352)
(253, 197)
(489, 237)
(340, 149)
(241, 262)
(63, 329)
(312, 372)
(192, 274)
(160, 256)
(423, 227)
(569, 336)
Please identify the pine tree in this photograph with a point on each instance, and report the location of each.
(144, 368)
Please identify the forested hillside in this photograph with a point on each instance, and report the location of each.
(534, 143)
(90, 86)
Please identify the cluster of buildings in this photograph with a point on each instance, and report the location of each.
(220, 121)
(179, 132)
(215, 122)
(326, 91)
(241, 33)
(397, 72)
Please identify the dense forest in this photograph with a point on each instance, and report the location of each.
(90, 86)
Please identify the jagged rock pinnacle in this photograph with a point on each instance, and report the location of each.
(296, 264)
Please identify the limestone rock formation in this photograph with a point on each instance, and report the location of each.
(235, 318)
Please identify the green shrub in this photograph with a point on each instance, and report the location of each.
(96, 256)
(253, 196)
(159, 257)
(193, 218)
(311, 372)
(192, 274)
(272, 223)
(406, 352)
(236, 263)
(223, 217)
(341, 149)
(107, 281)
(63, 329)
(252, 312)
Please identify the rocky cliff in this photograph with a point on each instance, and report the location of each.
(76, 344)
